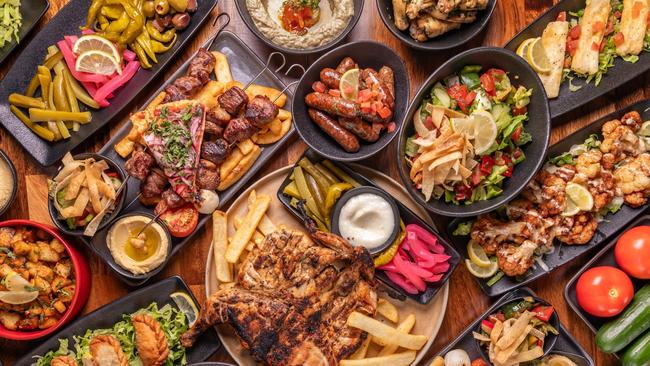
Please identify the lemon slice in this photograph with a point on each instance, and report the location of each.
(536, 57)
(349, 84)
(15, 282)
(477, 255)
(645, 129)
(481, 272)
(580, 196)
(478, 127)
(571, 208)
(97, 62)
(18, 297)
(521, 50)
(464, 125)
(186, 305)
(93, 42)
(557, 360)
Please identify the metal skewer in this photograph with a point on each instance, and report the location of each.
(220, 29)
(267, 66)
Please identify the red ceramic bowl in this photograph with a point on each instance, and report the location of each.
(82, 277)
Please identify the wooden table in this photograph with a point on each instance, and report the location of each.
(466, 300)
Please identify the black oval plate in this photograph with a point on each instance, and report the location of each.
(244, 65)
(67, 22)
(621, 73)
(565, 253)
(604, 258)
(32, 11)
(245, 15)
(104, 317)
(408, 216)
(451, 39)
(366, 54)
(566, 344)
(538, 125)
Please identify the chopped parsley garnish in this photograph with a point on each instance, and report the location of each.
(176, 138)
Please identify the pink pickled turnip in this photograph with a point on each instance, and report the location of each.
(402, 282)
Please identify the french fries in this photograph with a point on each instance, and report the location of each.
(240, 169)
(268, 92)
(222, 68)
(405, 327)
(388, 310)
(396, 359)
(363, 349)
(246, 146)
(385, 334)
(245, 232)
(219, 246)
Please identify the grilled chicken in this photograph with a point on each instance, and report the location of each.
(290, 303)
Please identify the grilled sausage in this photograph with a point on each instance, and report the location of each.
(364, 130)
(332, 105)
(387, 77)
(346, 64)
(330, 77)
(343, 137)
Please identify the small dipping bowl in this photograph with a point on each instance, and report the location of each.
(336, 213)
(4, 159)
(550, 339)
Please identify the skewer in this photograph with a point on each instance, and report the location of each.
(298, 66)
(221, 28)
(266, 67)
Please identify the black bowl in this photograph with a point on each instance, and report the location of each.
(549, 340)
(538, 125)
(445, 41)
(62, 225)
(367, 189)
(366, 54)
(245, 15)
(12, 168)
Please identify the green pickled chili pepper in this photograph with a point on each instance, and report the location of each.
(161, 48)
(142, 56)
(160, 37)
(334, 192)
(145, 43)
(93, 11)
(119, 25)
(112, 11)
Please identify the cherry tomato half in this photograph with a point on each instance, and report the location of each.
(632, 252)
(182, 221)
(604, 291)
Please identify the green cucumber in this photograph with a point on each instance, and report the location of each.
(638, 354)
(633, 321)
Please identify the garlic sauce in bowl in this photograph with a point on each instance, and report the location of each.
(367, 217)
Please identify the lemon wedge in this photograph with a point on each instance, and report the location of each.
(18, 297)
(557, 360)
(536, 57)
(15, 282)
(478, 127)
(477, 255)
(94, 42)
(97, 62)
(580, 196)
(521, 50)
(186, 305)
(349, 84)
(645, 129)
(481, 272)
(571, 208)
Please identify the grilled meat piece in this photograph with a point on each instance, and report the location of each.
(202, 65)
(260, 111)
(233, 100)
(208, 177)
(218, 116)
(173, 94)
(139, 165)
(169, 200)
(212, 130)
(152, 187)
(290, 304)
(216, 151)
(188, 85)
(239, 129)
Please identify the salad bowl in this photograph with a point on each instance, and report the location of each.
(538, 126)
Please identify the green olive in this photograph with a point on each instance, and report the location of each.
(162, 7)
(178, 5)
(149, 9)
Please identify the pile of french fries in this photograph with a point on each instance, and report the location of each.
(384, 341)
(250, 232)
(241, 158)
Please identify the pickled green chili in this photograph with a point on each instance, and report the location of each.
(158, 47)
(160, 37)
(25, 102)
(43, 115)
(41, 131)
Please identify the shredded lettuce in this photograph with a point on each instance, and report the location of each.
(46, 359)
(410, 149)
(463, 229)
(564, 159)
(10, 21)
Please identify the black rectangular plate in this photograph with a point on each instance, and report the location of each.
(67, 22)
(565, 345)
(604, 258)
(244, 65)
(621, 73)
(104, 317)
(32, 11)
(565, 253)
(408, 216)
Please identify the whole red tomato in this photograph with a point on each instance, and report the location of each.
(604, 291)
(632, 252)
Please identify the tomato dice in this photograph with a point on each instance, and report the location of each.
(319, 87)
(561, 17)
(543, 312)
(604, 291)
(182, 221)
(572, 46)
(479, 362)
(517, 134)
(574, 33)
(487, 80)
(487, 162)
(619, 39)
(334, 92)
(632, 252)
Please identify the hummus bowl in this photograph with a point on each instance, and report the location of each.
(7, 175)
(336, 20)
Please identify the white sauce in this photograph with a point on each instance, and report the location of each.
(366, 220)
(6, 184)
